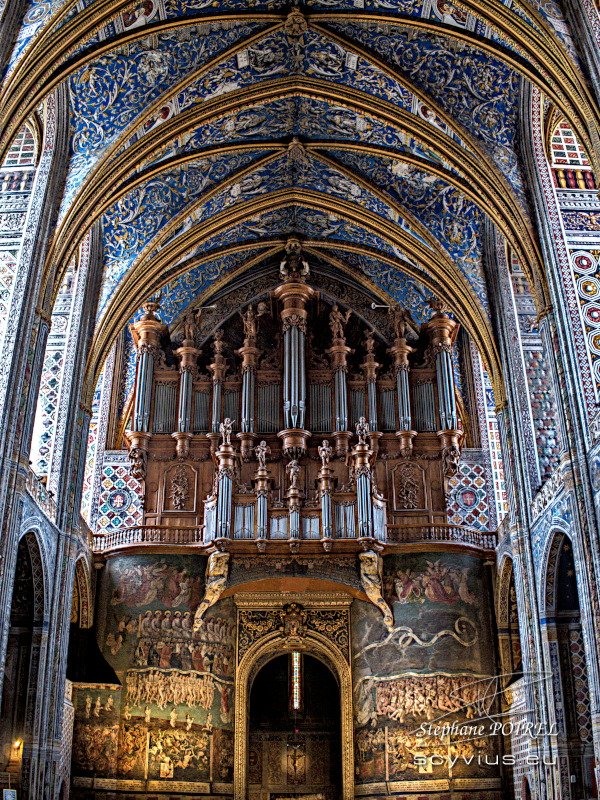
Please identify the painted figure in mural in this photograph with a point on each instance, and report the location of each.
(371, 578)
(217, 571)
(250, 323)
(362, 430)
(337, 320)
(225, 429)
(325, 453)
(293, 471)
(263, 451)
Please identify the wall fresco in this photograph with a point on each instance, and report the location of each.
(434, 666)
(169, 722)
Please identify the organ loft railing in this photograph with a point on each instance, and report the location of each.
(293, 421)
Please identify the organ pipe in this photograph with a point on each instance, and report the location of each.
(442, 332)
(401, 351)
(294, 293)
(146, 335)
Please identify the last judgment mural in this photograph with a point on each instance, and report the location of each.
(299, 400)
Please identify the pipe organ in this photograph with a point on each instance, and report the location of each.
(292, 419)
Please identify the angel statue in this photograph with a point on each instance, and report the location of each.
(262, 451)
(370, 341)
(217, 571)
(371, 579)
(362, 430)
(293, 471)
(337, 320)
(191, 325)
(325, 453)
(399, 321)
(225, 429)
(250, 326)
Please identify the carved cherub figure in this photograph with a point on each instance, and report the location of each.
(362, 430)
(451, 460)
(337, 320)
(263, 451)
(138, 459)
(325, 452)
(225, 429)
(293, 471)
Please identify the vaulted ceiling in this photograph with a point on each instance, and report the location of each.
(382, 132)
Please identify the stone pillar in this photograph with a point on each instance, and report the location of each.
(442, 332)
(146, 337)
(218, 368)
(249, 354)
(294, 294)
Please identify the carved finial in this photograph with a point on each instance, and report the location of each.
(295, 24)
(437, 305)
(151, 306)
(294, 266)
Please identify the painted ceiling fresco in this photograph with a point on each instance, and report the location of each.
(204, 125)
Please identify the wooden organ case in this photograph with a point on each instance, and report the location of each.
(293, 418)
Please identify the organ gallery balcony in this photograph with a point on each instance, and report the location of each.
(396, 537)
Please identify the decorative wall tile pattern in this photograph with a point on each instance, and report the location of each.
(121, 496)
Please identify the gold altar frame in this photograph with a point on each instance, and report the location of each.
(254, 659)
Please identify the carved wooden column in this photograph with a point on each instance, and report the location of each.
(339, 353)
(325, 491)
(249, 354)
(146, 336)
(294, 293)
(188, 360)
(370, 367)
(400, 353)
(362, 453)
(225, 457)
(218, 368)
(262, 481)
(442, 332)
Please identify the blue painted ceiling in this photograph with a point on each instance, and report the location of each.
(199, 118)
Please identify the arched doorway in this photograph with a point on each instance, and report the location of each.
(569, 669)
(295, 730)
(22, 656)
(252, 662)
